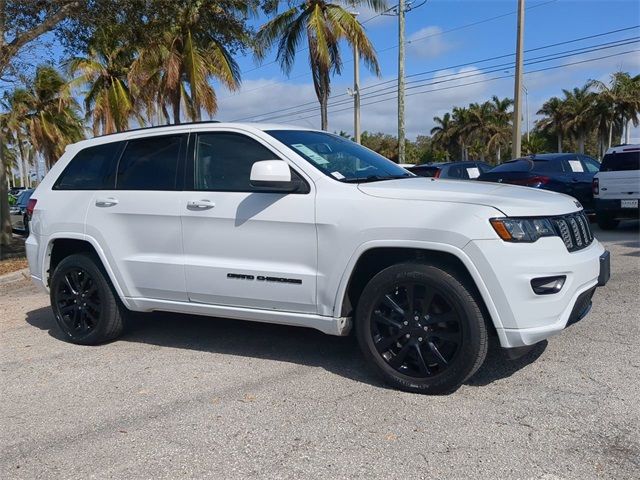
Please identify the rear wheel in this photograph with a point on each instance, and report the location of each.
(606, 222)
(84, 304)
(421, 328)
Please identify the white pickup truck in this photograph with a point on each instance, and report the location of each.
(616, 187)
(300, 227)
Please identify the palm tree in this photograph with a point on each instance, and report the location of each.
(622, 96)
(177, 69)
(15, 125)
(578, 104)
(323, 24)
(443, 133)
(460, 116)
(109, 102)
(500, 125)
(554, 118)
(50, 114)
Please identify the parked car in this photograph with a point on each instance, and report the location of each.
(19, 213)
(301, 227)
(452, 170)
(569, 173)
(616, 187)
(15, 191)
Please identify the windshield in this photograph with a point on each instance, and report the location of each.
(338, 157)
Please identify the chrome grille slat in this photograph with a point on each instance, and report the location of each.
(574, 229)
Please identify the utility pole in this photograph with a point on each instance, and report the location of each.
(356, 90)
(516, 149)
(401, 141)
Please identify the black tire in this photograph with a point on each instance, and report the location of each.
(25, 222)
(606, 222)
(441, 349)
(79, 282)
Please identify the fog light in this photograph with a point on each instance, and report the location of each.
(548, 285)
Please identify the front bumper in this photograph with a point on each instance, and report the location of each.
(507, 269)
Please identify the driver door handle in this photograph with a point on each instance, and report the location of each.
(106, 202)
(200, 204)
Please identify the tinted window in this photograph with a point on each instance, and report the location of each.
(547, 166)
(615, 162)
(457, 171)
(590, 165)
(224, 161)
(91, 168)
(424, 171)
(150, 164)
(514, 166)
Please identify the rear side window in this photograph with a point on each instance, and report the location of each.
(150, 164)
(514, 166)
(547, 166)
(457, 171)
(616, 162)
(91, 169)
(424, 171)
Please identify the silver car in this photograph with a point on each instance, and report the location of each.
(18, 212)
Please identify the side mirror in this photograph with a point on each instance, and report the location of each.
(272, 175)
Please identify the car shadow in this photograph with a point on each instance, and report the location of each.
(302, 346)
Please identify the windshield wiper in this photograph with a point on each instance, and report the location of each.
(375, 178)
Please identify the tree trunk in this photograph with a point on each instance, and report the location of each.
(498, 154)
(610, 134)
(627, 132)
(175, 105)
(324, 114)
(5, 219)
(581, 142)
(559, 143)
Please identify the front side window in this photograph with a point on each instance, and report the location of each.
(150, 163)
(224, 161)
(91, 168)
(339, 157)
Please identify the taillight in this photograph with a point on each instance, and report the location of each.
(437, 175)
(595, 186)
(31, 204)
(536, 181)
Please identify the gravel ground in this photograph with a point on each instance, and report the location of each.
(189, 397)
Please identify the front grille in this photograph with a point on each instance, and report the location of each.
(574, 230)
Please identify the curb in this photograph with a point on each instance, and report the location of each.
(15, 276)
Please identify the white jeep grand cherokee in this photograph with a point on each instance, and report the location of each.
(300, 227)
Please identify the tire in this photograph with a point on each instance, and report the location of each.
(445, 328)
(606, 222)
(79, 282)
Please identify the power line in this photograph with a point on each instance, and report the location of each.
(393, 81)
(490, 79)
(306, 74)
(454, 77)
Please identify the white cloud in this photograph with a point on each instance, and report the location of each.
(296, 104)
(427, 42)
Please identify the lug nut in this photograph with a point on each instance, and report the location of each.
(408, 335)
(406, 323)
(419, 339)
(416, 318)
(426, 329)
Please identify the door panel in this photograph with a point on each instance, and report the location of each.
(251, 250)
(244, 247)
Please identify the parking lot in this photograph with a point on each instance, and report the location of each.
(191, 397)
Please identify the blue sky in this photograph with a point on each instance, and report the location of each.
(445, 38)
(441, 34)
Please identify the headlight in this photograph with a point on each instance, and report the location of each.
(523, 229)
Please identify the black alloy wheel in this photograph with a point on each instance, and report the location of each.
(416, 329)
(84, 302)
(421, 327)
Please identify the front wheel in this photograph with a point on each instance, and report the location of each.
(421, 328)
(84, 304)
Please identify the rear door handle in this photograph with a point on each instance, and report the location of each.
(200, 204)
(106, 202)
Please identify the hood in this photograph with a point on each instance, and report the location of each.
(513, 201)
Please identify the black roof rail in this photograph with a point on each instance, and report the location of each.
(158, 126)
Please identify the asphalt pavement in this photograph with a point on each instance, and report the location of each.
(191, 397)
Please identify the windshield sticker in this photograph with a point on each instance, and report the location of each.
(317, 159)
(576, 166)
(473, 172)
(337, 175)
